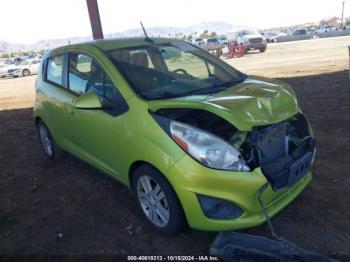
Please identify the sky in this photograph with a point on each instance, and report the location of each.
(28, 21)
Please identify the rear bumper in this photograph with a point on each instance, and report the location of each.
(240, 188)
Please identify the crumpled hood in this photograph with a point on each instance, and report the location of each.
(254, 102)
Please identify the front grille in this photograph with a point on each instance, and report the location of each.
(257, 40)
(11, 71)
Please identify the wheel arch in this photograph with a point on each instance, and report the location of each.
(136, 165)
(37, 119)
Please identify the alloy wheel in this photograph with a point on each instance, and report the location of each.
(153, 201)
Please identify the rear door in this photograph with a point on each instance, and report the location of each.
(55, 97)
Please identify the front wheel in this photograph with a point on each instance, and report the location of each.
(263, 49)
(26, 72)
(158, 201)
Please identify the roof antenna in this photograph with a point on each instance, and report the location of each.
(146, 36)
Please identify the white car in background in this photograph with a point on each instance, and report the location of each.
(199, 42)
(325, 29)
(251, 39)
(346, 27)
(26, 68)
(2, 70)
(29, 67)
(9, 70)
(274, 37)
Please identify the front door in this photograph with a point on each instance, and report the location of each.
(97, 134)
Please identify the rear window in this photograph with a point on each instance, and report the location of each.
(54, 72)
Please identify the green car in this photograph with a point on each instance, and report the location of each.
(194, 139)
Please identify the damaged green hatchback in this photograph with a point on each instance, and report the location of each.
(194, 138)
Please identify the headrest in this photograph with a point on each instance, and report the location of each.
(121, 56)
(139, 59)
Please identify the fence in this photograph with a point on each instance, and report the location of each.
(311, 36)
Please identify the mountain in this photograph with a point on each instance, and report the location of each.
(218, 27)
(5, 46)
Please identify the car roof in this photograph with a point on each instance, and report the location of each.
(111, 44)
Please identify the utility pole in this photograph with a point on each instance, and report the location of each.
(342, 16)
(95, 20)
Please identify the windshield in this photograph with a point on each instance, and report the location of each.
(160, 71)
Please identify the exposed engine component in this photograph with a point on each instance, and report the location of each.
(284, 151)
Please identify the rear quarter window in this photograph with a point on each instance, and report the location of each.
(54, 72)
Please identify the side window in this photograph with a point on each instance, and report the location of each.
(54, 71)
(85, 75)
(110, 91)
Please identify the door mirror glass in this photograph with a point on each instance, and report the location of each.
(88, 101)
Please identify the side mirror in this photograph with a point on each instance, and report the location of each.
(88, 101)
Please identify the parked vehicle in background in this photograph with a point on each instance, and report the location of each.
(8, 62)
(213, 46)
(199, 42)
(325, 29)
(30, 67)
(312, 30)
(9, 70)
(3, 70)
(273, 37)
(346, 27)
(223, 40)
(251, 39)
(300, 31)
(213, 42)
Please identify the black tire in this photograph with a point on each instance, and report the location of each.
(26, 72)
(56, 152)
(177, 221)
(262, 50)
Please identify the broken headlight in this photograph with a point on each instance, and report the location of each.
(208, 149)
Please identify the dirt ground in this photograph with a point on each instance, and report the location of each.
(68, 207)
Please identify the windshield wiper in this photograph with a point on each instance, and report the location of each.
(198, 91)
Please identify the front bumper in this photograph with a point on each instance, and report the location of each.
(238, 187)
(13, 74)
(255, 45)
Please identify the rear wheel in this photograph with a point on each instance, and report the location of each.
(26, 72)
(52, 151)
(158, 201)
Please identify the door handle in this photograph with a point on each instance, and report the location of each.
(71, 112)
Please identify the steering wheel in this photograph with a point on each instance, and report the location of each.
(180, 70)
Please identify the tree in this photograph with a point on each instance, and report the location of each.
(205, 34)
(213, 34)
(7, 56)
